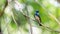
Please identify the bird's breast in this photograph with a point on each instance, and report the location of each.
(36, 17)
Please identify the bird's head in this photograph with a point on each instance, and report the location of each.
(37, 12)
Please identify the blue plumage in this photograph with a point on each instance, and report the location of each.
(37, 13)
(37, 17)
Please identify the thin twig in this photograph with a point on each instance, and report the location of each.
(54, 18)
(2, 11)
(41, 23)
(6, 4)
(49, 13)
(31, 31)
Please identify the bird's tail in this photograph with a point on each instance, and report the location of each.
(40, 24)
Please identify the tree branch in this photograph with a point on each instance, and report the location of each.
(49, 13)
(2, 11)
(41, 23)
(28, 19)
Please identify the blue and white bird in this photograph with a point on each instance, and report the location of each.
(37, 17)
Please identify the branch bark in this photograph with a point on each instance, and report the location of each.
(41, 23)
(49, 13)
(29, 22)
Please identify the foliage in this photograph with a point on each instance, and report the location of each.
(15, 21)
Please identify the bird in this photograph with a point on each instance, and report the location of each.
(37, 17)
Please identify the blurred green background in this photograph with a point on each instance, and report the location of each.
(13, 20)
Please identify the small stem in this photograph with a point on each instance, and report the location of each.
(41, 23)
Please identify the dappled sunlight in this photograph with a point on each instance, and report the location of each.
(36, 30)
(20, 17)
(54, 2)
(19, 6)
